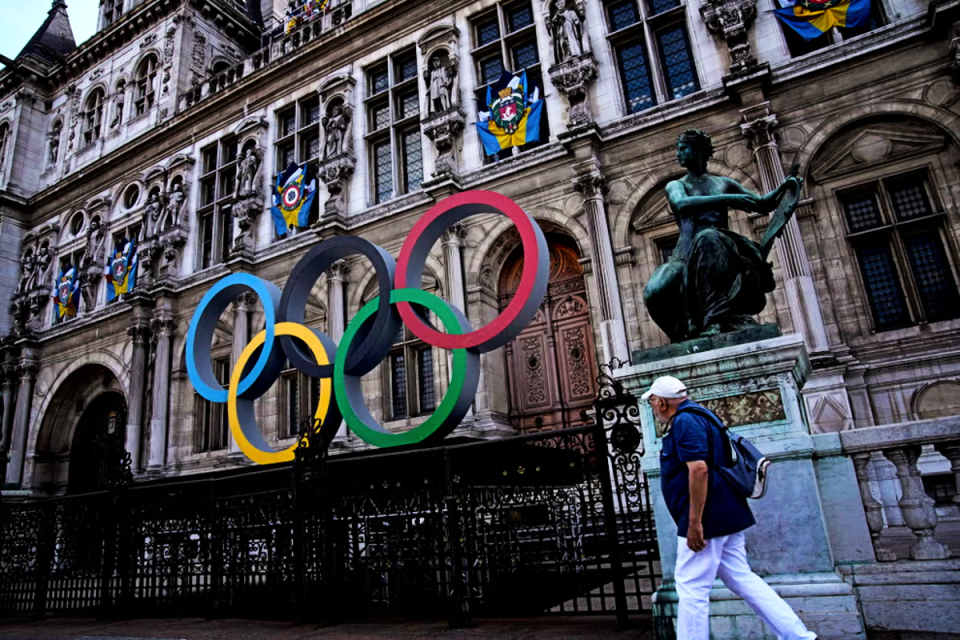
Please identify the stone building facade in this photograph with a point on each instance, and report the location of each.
(168, 125)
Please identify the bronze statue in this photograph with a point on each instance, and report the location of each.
(715, 280)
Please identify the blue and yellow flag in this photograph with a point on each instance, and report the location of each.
(65, 292)
(513, 117)
(813, 18)
(292, 198)
(121, 270)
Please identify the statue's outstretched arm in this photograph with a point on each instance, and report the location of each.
(686, 205)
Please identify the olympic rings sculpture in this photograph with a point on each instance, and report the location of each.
(369, 336)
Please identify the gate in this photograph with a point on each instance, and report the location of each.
(556, 522)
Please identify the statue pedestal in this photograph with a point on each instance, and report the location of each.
(755, 388)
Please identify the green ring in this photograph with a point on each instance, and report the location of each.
(347, 387)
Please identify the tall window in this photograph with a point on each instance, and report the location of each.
(112, 9)
(393, 123)
(799, 47)
(410, 379)
(897, 237)
(211, 430)
(146, 85)
(93, 116)
(652, 50)
(218, 183)
(506, 38)
(298, 137)
(301, 394)
(4, 141)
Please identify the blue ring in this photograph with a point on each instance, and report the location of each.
(269, 363)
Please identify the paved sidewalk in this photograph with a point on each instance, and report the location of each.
(200, 629)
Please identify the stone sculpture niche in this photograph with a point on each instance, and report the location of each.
(574, 68)
(338, 164)
(443, 119)
(249, 191)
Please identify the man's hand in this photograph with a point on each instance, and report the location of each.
(695, 537)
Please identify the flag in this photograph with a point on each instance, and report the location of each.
(292, 198)
(513, 116)
(813, 18)
(121, 270)
(65, 292)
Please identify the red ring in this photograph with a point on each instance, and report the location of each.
(525, 225)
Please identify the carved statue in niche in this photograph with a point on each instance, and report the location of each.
(175, 201)
(118, 105)
(44, 267)
(335, 127)
(93, 252)
(440, 81)
(154, 206)
(28, 272)
(715, 279)
(249, 165)
(567, 30)
(55, 143)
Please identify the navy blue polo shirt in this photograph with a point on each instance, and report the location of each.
(726, 512)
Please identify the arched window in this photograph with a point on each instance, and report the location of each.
(219, 67)
(146, 85)
(93, 116)
(4, 137)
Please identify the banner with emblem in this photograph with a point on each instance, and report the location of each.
(293, 196)
(513, 116)
(812, 18)
(65, 292)
(121, 270)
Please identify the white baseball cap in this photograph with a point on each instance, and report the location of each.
(666, 387)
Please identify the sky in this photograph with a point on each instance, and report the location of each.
(20, 19)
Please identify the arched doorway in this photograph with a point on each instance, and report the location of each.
(551, 366)
(97, 452)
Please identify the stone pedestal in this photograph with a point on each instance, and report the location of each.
(754, 386)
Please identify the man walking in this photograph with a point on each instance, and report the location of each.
(710, 517)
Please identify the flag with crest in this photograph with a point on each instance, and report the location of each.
(293, 195)
(65, 292)
(513, 115)
(121, 270)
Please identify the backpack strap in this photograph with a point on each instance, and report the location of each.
(712, 419)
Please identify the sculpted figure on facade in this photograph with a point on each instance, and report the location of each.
(54, 153)
(28, 273)
(44, 267)
(440, 81)
(153, 207)
(249, 195)
(175, 202)
(249, 165)
(715, 280)
(335, 126)
(93, 251)
(567, 30)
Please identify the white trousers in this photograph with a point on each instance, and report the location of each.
(726, 556)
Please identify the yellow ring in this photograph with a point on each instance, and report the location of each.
(326, 387)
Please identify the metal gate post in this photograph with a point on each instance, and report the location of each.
(48, 540)
(460, 603)
(611, 522)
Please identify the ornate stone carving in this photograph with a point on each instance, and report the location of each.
(249, 195)
(443, 129)
(337, 105)
(335, 173)
(443, 82)
(955, 60)
(147, 254)
(171, 242)
(566, 21)
(573, 78)
(591, 184)
(731, 19)
(248, 171)
(140, 332)
(198, 58)
(336, 127)
(175, 201)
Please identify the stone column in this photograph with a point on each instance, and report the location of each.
(241, 336)
(26, 370)
(613, 335)
(335, 312)
(951, 451)
(758, 126)
(140, 332)
(9, 374)
(451, 241)
(163, 328)
(872, 509)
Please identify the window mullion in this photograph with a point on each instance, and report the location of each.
(902, 261)
(653, 59)
(413, 386)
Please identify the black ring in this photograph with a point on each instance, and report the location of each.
(375, 345)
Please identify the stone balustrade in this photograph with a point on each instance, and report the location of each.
(903, 444)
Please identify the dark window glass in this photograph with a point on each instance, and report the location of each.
(206, 239)
(425, 375)
(659, 6)
(209, 159)
(488, 32)
(525, 55)
(228, 182)
(293, 404)
(208, 191)
(490, 69)
(398, 385)
(882, 284)
(406, 69)
(314, 394)
(379, 81)
(311, 113)
(380, 116)
(862, 212)
(635, 75)
(408, 105)
(931, 272)
(622, 14)
(287, 122)
(383, 171)
(310, 147)
(677, 62)
(520, 17)
(229, 152)
(909, 197)
(285, 156)
(412, 161)
(226, 232)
